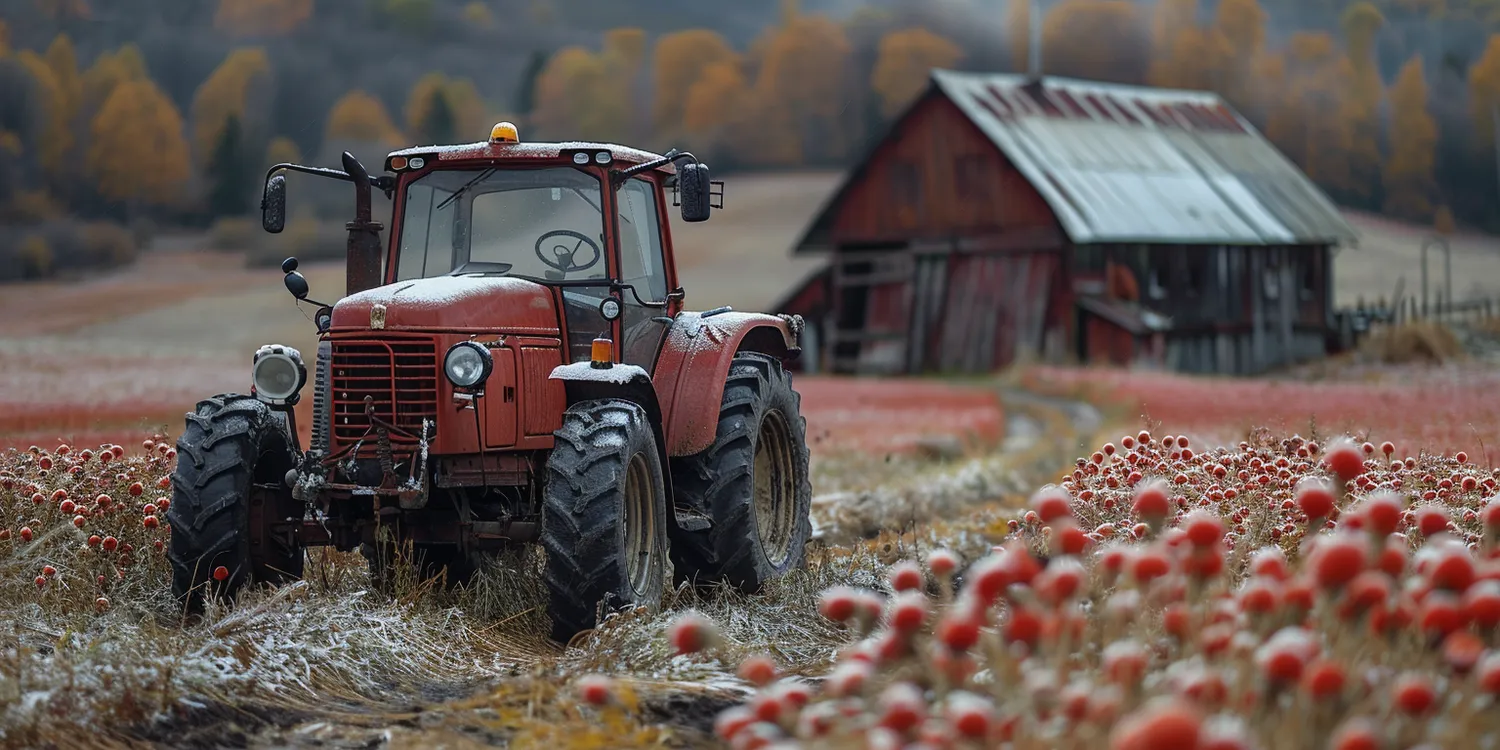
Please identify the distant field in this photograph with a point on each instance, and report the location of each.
(130, 352)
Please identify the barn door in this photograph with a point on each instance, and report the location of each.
(873, 300)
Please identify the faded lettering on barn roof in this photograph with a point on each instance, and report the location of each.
(1120, 163)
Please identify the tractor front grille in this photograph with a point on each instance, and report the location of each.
(399, 376)
(322, 395)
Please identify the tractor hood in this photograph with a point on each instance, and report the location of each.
(460, 304)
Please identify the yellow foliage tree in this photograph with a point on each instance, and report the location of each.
(262, 17)
(1484, 92)
(577, 97)
(904, 65)
(715, 102)
(109, 70)
(1105, 40)
(1361, 22)
(229, 91)
(679, 61)
(1307, 122)
(1018, 32)
(478, 14)
(625, 50)
(137, 152)
(1409, 182)
(464, 116)
(1185, 55)
(1243, 26)
(800, 90)
(281, 150)
(358, 116)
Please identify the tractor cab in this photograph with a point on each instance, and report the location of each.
(511, 366)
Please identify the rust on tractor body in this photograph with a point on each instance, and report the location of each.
(523, 330)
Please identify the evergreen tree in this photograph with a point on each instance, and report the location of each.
(526, 93)
(439, 126)
(229, 172)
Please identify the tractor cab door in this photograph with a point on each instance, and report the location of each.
(642, 265)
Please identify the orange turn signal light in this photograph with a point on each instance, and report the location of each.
(602, 353)
(398, 163)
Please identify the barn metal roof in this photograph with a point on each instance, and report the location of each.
(1123, 164)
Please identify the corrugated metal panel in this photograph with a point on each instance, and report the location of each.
(1132, 164)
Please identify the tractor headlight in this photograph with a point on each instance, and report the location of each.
(468, 364)
(277, 374)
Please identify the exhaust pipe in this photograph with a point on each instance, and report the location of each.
(362, 254)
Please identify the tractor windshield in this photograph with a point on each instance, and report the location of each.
(542, 224)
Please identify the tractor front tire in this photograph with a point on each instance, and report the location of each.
(604, 516)
(232, 461)
(752, 482)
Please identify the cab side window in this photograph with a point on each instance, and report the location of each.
(641, 266)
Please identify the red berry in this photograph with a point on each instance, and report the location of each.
(94, 540)
(1051, 504)
(1315, 497)
(49, 571)
(970, 715)
(1323, 679)
(1356, 734)
(26, 533)
(40, 581)
(1344, 459)
(136, 489)
(110, 543)
(957, 631)
(1337, 559)
(905, 576)
(908, 612)
(838, 604)
(1159, 726)
(1413, 694)
(942, 563)
(758, 670)
(1151, 500)
(150, 522)
(596, 690)
(689, 633)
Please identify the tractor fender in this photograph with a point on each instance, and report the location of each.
(695, 361)
(583, 382)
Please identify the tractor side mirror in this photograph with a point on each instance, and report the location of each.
(693, 191)
(273, 205)
(296, 283)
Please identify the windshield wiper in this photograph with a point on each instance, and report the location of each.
(481, 177)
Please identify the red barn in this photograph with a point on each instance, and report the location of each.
(1004, 218)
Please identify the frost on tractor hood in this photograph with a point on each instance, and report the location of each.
(586, 372)
(450, 302)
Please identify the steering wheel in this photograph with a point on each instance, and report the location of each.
(563, 257)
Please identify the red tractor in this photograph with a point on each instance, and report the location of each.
(517, 368)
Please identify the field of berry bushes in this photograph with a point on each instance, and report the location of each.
(1262, 589)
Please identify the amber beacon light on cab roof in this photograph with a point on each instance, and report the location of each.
(514, 367)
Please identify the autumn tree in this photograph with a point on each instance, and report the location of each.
(137, 152)
(579, 96)
(1409, 182)
(624, 58)
(281, 150)
(1185, 54)
(905, 65)
(358, 116)
(1242, 26)
(1018, 28)
(1361, 22)
(62, 60)
(52, 135)
(261, 17)
(800, 89)
(716, 105)
(443, 110)
(239, 88)
(1484, 93)
(679, 62)
(1307, 120)
(1105, 40)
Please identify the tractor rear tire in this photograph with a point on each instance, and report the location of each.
(232, 461)
(752, 482)
(604, 516)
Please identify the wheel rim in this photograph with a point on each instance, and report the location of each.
(640, 524)
(775, 488)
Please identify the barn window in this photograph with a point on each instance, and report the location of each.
(906, 184)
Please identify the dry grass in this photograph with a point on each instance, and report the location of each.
(1423, 342)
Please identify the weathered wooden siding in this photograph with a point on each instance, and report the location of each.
(937, 176)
